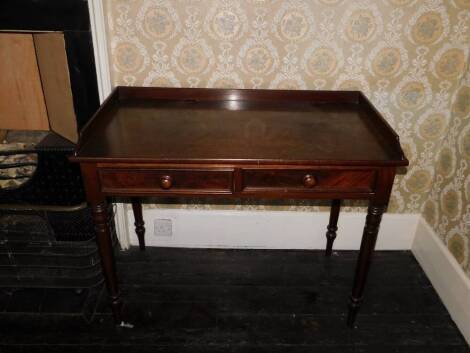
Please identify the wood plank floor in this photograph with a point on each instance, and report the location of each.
(194, 300)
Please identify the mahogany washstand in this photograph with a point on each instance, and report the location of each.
(236, 143)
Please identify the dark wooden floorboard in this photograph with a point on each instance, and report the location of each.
(193, 300)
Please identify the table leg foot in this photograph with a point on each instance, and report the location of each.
(332, 226)
(116, 308)
(139, 222)
(353, 308)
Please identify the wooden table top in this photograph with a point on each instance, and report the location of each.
(239, 126)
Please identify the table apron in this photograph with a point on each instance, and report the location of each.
(257, 183)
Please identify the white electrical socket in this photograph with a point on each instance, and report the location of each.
(163, 227)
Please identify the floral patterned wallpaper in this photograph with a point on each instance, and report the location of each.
(447, 208)
(408, 56)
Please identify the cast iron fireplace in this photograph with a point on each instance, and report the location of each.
(46, 237)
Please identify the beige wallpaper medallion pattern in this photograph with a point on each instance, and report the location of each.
(409, 56)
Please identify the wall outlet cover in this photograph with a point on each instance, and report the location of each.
(163, 227)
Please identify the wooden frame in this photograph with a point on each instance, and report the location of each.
(44, 101)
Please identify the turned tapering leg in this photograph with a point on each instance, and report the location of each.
(139, 222)
(105, 247)
(369, 238)
(332, 226)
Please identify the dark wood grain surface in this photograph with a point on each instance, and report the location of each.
(243, 126)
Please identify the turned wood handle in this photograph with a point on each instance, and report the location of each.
(309, 181)
(166, 182)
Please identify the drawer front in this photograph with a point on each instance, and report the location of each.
(167, 180)
(317, 180)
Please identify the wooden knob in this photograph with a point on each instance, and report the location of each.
(309, 181)
(165, 182)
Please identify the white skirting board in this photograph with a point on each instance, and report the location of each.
(445, 274)
(269, 229)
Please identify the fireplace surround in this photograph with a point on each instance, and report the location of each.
(45, 222)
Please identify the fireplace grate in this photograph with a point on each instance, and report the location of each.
(35, 252)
